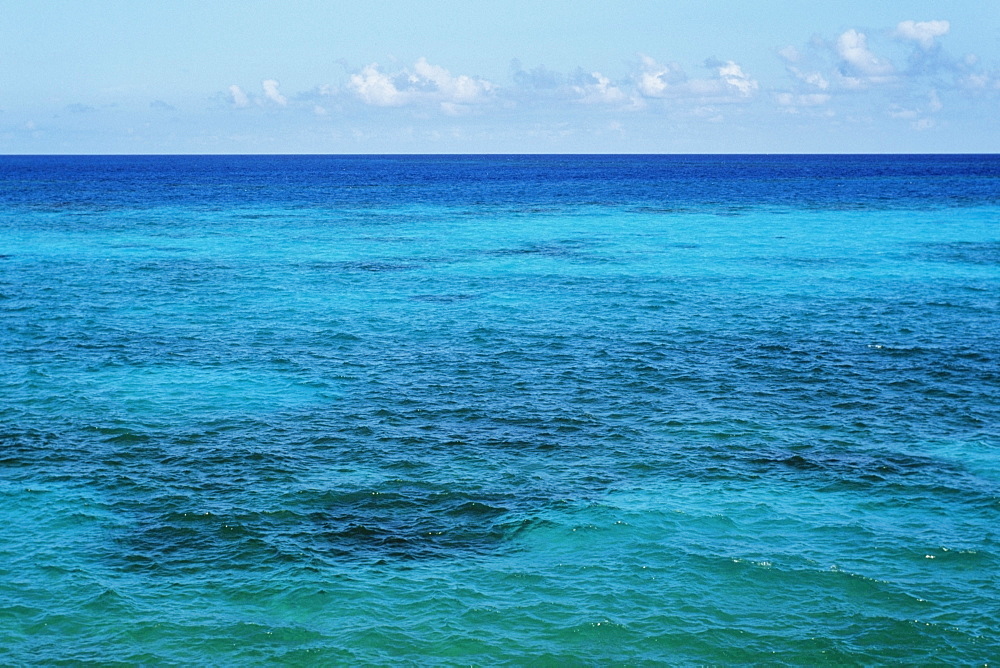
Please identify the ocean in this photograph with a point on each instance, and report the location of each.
(499, 410)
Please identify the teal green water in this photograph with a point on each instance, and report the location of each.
(499, 410)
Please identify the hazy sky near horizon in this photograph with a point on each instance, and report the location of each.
(386, 76)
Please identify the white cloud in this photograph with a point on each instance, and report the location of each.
(271, 92)
(238, 97)
(806, 100)
(599, 89)
(454, 89)
(656, 79)
(812, 78)
(790, 54)
(651, 85)
(376, 88)
(817, 73)
(538, 78)
(922, 32)
(424, 83)
(734, 76)
(852, 47)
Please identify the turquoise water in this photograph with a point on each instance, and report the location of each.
(487, 410)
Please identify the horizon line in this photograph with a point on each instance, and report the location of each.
(454, 154)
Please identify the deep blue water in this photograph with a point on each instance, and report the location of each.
(419, 410)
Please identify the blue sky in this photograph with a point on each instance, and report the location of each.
(381, 76)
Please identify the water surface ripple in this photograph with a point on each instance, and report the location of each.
(562, 410)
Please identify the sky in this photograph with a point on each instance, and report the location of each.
(518, 76)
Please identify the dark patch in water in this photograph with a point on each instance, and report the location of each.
(377, 267)
(660, 209)
(969, 252)
(560, 250)
(368, 266)
(733, 211)
(395, 520)
(812, 261)
(912, 471)
(390, 239)
(442, 299)
(407, 521)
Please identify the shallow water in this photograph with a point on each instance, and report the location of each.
(501, 409)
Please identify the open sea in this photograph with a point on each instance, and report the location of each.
(500, 410)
